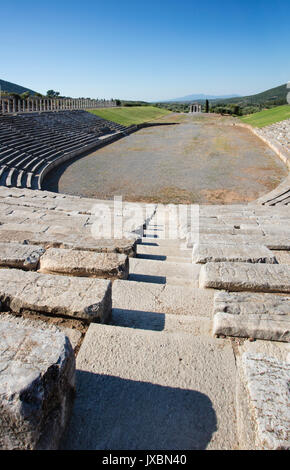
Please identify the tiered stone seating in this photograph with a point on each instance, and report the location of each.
(195, 354)
(174, 334)
(31, 143)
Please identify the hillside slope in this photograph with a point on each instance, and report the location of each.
(13, 88)
(268, 116)
(273, 94)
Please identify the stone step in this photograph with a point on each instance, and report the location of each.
(246, 277)
(205, 252)
(88, 299)
(139, 389)
(164, 272)
(165, 322)
(252, 315)
(162, 252)
(84, 263)
(166, 298)
(163, 242)
(263, 402)
(37, 384)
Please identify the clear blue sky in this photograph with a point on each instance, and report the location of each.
(151, 50)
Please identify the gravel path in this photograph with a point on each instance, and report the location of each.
(200, 159)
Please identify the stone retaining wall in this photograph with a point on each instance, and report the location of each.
(273, 144)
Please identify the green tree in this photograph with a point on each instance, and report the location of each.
(25, 95)
(52, 94)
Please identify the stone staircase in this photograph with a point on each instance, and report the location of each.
(149, 364)
(195, 326)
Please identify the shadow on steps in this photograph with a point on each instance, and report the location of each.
(121, 414)
(139, 319)
(147, 278)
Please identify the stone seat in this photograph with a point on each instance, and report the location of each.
(252, 315)
(84, 264)
(68, 240)
(246, 277)
(76, 297)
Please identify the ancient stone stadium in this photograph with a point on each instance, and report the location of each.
(149, 308)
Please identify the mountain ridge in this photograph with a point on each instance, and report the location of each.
(198, 97)
(275, 93)
(14, 88)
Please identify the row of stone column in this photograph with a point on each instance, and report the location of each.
(14, 105)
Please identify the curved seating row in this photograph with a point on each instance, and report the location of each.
(30, 144)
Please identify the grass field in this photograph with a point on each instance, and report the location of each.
(130, 115)
(268, 116)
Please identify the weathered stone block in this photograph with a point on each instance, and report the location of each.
(16, 255)
(85, 263)
(252, 315)
(72, 240)
(206, 252)
(246, 277)
(266, 381)
(37, 369)
(89, 299)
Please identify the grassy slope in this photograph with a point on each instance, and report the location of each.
(130, 115)
(268, 116)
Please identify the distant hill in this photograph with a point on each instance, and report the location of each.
(276, 94)
(13, 88)
(198, 97)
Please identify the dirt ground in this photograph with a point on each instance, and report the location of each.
(180, 159)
